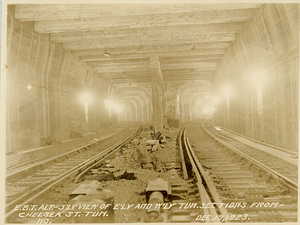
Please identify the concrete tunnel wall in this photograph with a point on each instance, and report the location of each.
(268, 51)
(52, 109)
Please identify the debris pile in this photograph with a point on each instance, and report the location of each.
(153, 147)
(108, 171)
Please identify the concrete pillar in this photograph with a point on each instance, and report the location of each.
(157, 84)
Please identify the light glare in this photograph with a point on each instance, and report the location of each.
(227, 91)
(86, 98)
(216, 100)
(109, 103)
(113, 105)
(208, 110)
(257, 78)
(118, 107)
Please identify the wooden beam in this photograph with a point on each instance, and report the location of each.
(110, 61)
(169, 79)
(133, 68)
(191, 77)
(149, 49)
(178, 84)
(39, 12)
(117, 70)
(187, 71)
(192, 66)
(98, 64)
(123, 85)
(189, 62)
(137, 42)
(102, 34)
(133, 80)
(128, 75)
(190, 58)
(177, 76)
(146, 72)
(159, 54)
(174, 31)
(166, 73)
(163, 60)
(142, 21)
(124, 74)
(145, 64)
(188, 79)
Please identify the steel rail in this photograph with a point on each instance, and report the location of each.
(183, 166)
(201, 176)
(295, 154)
(255, 162)
(108, 154)
(42, 164)
(42, 188)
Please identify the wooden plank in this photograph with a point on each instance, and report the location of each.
(167, 56)
(100, 34)
(188, 78)
(129, 68)
(176, 64)
(191, 58)
(171, 79)
(159, 54)
(112, 61)
(166, 73)
(39, 12)
(142, 21)
(133, 80)
(141, 84)
(189, 62)
(122, 68)
(122, 74)
(141, 70)
(187, 70)
(99, 64)
(163, 60)
(137, 42)
(178, 84)
(140, 75)
(190, 71)
(176, 31)
(151, 48)
(193, 66)
(144, 78)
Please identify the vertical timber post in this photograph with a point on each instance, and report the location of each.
(157, 84)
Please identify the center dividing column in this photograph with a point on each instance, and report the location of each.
(157, 84)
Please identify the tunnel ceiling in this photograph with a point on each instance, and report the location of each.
(189, 39)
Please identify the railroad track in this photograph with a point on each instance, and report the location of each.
(219, 186)
(230, 132)
(287, 171)
(24, 169)
(192, 210)
(262, 162)
(48, 174)
(236, 187)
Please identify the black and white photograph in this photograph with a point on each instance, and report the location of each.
(149, 112)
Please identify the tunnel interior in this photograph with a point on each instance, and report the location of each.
(77, 69)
